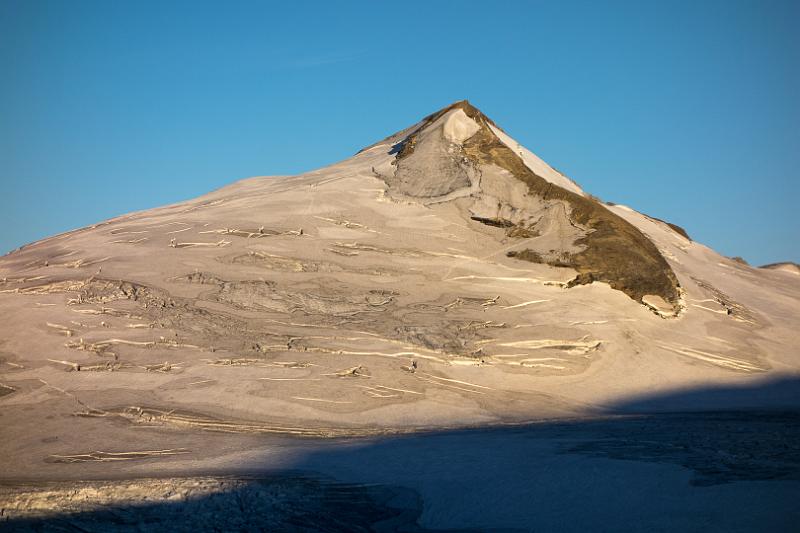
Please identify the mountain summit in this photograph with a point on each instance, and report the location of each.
(459, 153)
(444, 276)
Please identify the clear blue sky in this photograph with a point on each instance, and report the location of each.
(688, 111)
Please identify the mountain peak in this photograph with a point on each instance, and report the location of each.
(464, 105)
(459, 155)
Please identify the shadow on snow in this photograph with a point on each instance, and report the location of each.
(711, 459)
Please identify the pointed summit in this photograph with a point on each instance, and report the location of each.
(463, 116)
(459, 154)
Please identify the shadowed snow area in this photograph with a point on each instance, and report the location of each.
(441, 331)
(723, 470)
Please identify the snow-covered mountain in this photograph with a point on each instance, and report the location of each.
(445, 276)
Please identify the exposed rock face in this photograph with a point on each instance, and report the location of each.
(430, 164)
(458, 153)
